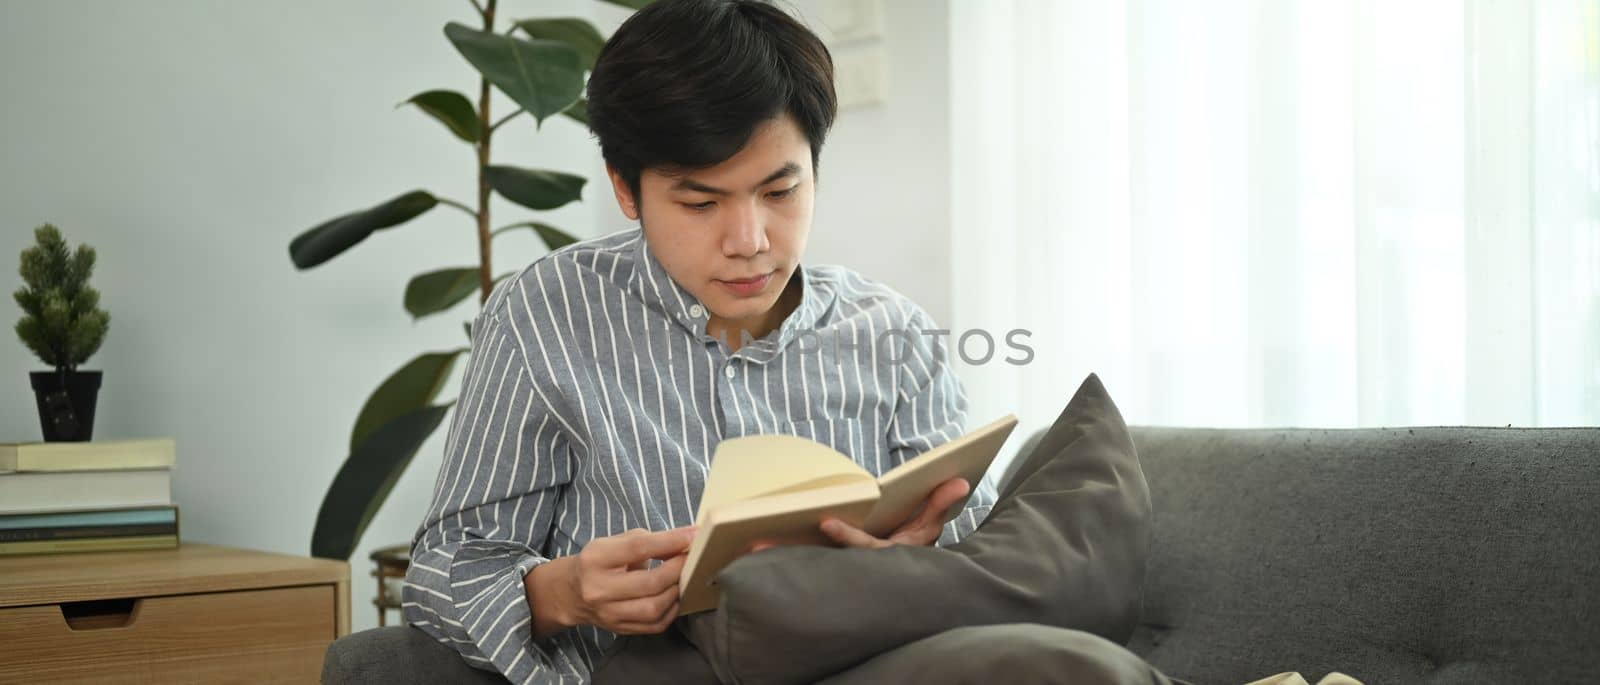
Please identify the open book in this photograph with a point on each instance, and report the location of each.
(778, 488)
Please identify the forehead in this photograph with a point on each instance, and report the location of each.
(775, 143)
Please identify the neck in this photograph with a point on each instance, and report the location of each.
(756, 327)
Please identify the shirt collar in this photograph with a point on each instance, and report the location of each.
(651, 283)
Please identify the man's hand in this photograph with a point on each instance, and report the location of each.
(609, 583)
(922, 528)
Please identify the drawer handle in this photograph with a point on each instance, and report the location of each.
(99, 614)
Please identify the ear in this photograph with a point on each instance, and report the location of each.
(625, 199)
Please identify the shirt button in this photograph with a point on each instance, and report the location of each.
(696, 311)
(728, 371)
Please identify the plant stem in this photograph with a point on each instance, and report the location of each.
(506, 118)
(485, 278)
(458, 205)
(477, 6)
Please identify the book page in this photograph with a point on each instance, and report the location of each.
(757, 465)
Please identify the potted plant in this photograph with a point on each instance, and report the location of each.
(540, 64)
(63, 324)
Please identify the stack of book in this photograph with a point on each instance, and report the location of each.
(96, 496)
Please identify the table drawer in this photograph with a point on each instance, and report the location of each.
(273, 635)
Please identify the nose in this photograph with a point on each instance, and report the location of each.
(745, 235)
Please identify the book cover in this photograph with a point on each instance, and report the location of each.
(778, 488)
(92, 455)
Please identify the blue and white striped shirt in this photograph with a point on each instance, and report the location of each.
(593, 401)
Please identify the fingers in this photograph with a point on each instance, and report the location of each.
(925, 526)
(634, 602)
(656, 580)
(645, 615)
(948, 493)
(757, 546)
(617, 568)
(639, 545)
(624, 586)
(851, 536)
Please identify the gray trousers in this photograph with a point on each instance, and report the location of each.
(1045, 590)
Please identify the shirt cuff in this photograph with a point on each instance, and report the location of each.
(497, 617)
(962, 525)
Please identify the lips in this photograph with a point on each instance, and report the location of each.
(749, 286)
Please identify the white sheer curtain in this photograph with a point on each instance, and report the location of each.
(1282, 212)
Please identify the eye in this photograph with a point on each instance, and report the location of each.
(780, 194)
(698, 207)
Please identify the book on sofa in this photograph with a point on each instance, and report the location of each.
(778, 488)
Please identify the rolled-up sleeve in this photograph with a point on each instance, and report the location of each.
(505, 464)
(930, 410)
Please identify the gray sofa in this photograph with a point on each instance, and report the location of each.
(1408, 555)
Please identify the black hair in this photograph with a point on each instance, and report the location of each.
(683, 84)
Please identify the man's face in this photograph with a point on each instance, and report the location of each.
(732, 234)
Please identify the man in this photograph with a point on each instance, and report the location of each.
(604, 375)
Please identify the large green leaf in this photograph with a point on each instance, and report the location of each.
(554, 238)
(413, 386)
(365, 479)
(544, 76)
(328, 239)
(437, 291)
(579, 112)
(452, 109)
(579, 34)
(632, 4)
(535, 188)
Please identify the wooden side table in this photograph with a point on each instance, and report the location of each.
(198, 613)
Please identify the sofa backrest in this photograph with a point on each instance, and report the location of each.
(1409, 555)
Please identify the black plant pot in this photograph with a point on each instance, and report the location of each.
(66, 411)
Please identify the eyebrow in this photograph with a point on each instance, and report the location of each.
(686, 183)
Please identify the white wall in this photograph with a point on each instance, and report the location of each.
(189, 143)
(883, 195)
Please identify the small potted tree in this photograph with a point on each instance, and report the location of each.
(63, 324)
